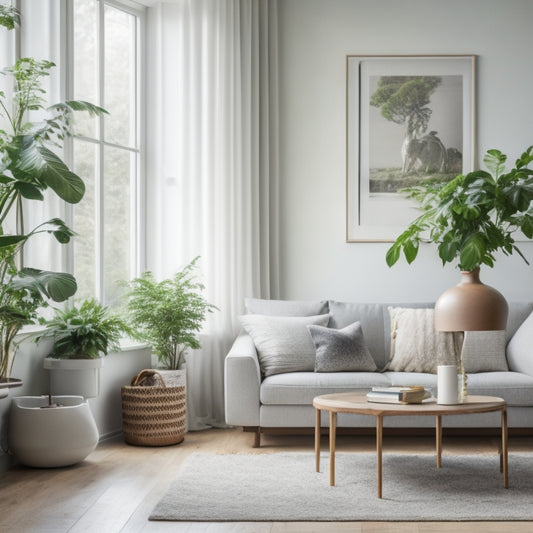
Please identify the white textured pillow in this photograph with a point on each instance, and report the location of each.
(415, 345)
(283, 343)
(484, 351)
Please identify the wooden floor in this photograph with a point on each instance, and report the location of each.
(115, 489)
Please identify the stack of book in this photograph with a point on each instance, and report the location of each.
(414, 394)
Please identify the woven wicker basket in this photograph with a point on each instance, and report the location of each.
(153, 415)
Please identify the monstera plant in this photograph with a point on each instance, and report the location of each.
(473, 216)
(29, 166)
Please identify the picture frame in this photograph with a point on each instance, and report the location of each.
(408, 118)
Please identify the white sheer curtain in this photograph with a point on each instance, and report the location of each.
(212, 166)
(39, 38)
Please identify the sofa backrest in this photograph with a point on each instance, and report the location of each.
(374, 317)
(375, 322)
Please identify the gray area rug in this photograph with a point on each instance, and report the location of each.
(285, 487)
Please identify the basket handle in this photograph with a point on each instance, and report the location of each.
(143, 375)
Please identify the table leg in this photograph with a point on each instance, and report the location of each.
(438, 437)
(379, 450)
(504, 455)
(317, 439)
(332, 435)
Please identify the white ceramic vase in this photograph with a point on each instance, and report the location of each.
(74, 376)
(46, 437)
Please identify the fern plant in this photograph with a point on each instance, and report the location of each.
(168, 314)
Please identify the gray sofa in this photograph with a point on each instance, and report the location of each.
(284, 400)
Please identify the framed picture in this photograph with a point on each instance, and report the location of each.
(409, 118)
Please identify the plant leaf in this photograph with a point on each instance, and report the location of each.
(473, 251)
(56, 285)
(495, 161)
(28, 190)
(67, 185)
(9, 240)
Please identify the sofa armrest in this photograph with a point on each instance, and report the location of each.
(242, 383)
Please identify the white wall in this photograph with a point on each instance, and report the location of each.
(315, 37)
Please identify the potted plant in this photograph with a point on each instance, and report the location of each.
(29, 167)
(472, 216)
(82, 335)
(168, 314)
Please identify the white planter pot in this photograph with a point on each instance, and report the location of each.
(74, 376)
(174, 378)
(51, 437)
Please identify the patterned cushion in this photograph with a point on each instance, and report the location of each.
(283, 343)
(341, 350)
(415, 345)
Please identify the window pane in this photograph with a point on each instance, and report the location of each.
(119, 166)
(85, 156)
(86, 63)
(119, 76)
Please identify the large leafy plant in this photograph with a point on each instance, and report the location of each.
(473, 216)
(29, 166)
(168, 314)
(85, 332)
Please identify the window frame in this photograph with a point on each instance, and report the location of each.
(137, 207)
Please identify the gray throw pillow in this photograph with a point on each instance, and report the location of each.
(341, 350)
(484, 351)
(283, 343)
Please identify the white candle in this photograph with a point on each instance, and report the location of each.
(447, 390)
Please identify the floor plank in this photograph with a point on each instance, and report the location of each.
(115, 489)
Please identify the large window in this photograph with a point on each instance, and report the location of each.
(105, 43)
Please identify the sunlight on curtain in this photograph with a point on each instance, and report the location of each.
(212, 167)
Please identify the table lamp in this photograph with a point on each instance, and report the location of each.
(470, 306)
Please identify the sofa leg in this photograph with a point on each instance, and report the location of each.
(257, 438)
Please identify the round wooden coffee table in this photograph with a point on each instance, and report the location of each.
(356, 403)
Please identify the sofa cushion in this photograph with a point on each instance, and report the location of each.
(409, 379)
(257, 306)
(341, 350)
(299, 388)
(520, 348)
(484, 351)
(514, 387)
(283, 343)
(415, 345)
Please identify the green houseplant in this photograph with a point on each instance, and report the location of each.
(473, 216)
(168, 314)
(87, 331)
(28, 168)
(81, 336)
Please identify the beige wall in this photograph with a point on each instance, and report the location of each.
(315, 37)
